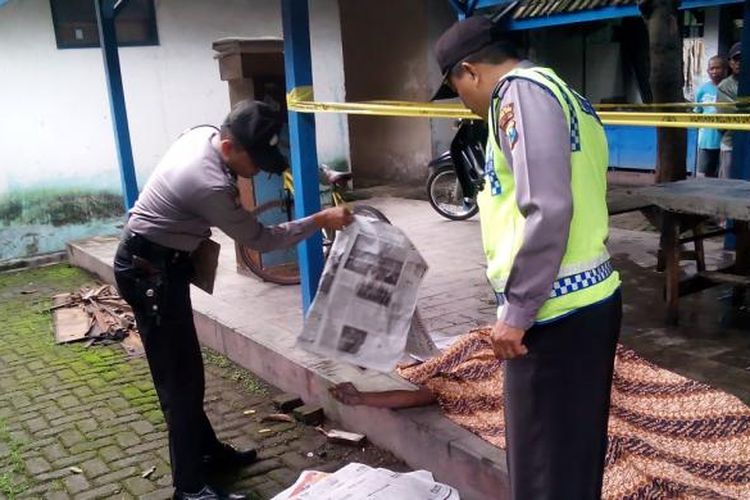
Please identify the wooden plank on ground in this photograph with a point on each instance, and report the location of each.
(133, 345)
(71, 323)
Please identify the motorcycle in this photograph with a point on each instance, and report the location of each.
(457, 175)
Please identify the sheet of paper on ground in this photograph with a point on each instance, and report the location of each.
(367, 296)
(362, 481)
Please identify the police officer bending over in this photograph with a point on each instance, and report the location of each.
(192, 189)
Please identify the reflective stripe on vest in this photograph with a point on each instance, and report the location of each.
(575, 282)
(567, 271)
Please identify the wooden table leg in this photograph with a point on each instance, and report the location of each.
(670, 247)
(742, 258)
(700, 255)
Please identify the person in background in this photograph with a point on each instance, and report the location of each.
(727, 92)
(709, 139)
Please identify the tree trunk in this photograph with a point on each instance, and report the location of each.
(634, 51)
(665, 42)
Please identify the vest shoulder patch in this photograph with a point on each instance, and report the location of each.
(507, 123)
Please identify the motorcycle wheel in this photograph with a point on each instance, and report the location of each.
(446, 196)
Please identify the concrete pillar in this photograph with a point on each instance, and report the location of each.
(441, 17)
(332, 135)
(254, 69)
(386, 53)
(711, 34)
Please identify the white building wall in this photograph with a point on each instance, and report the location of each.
(711, 37)
(55, 127)
(328, 77)
(56, 138)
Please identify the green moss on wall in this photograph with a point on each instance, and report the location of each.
(58, 207)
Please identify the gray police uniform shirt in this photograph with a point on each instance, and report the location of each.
(192, 190)
(541, 163)
(728, 90)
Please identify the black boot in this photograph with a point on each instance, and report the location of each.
(207, 493)
(227, 456)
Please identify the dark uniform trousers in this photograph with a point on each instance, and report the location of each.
(155, 281)
(557, 405)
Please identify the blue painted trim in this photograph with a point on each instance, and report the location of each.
(483, 4)
(464, 10)
(105, 15)
(303, 152)
(457, 7)
(471, 6)
(118, 5)
(584, 16)
(634, 148)
(699, 4)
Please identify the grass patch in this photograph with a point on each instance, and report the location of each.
(156, 417)
(58, 276)
(130, 393)
(27, 336)
(12, 481)
(231, 371)
(212, 357)
(59, 207)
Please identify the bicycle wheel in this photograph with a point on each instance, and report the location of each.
(362, 210)
(370, 212)
(446, 196)
(284, 274)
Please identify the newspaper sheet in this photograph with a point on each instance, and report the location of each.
(356, 481)
(367, 296)
(306, 480)
(419, 344)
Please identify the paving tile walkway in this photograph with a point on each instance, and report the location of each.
(82, 423)
(711, 345)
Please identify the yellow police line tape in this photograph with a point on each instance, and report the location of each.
(721, 121)
(740, 103)
(301, 100)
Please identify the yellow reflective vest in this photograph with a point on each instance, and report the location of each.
(586, 275)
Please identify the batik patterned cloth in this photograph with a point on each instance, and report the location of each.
(669, 436)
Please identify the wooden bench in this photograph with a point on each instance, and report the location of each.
(691, 202)
(626, 200)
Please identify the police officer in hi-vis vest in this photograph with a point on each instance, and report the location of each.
(544, 226)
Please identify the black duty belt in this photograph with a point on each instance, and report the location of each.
(153, 252)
